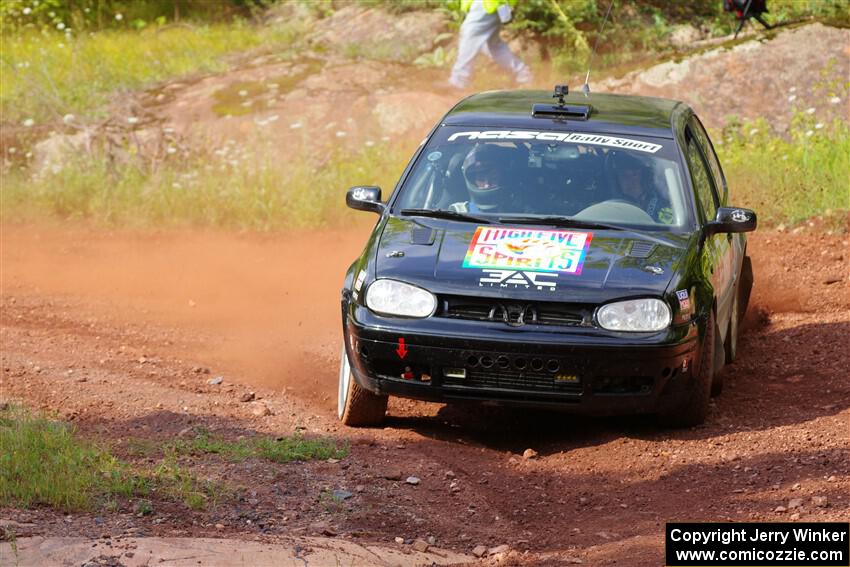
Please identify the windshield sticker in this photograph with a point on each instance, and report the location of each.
(525, 249)
(574, 137)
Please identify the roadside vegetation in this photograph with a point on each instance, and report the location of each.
(44, 462)
(278, 450)
(49, 76)
(638, 30)
(234, 186)
(788, 179)
(65, 65)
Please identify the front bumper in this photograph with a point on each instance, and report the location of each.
(578, 369)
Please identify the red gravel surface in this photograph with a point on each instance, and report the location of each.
(120, 333)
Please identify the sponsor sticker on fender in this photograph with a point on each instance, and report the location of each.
(561, 251)
(684, 300)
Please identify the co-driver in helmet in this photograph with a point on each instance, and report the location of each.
(633, 180)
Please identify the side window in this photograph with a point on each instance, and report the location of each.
(700, 176)
(711, 157)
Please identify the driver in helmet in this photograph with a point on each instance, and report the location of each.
(634, 183)
(487, 172)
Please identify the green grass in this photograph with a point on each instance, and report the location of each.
(278, 450)
(232, 187)
(43, 462)
(177, 484)
(48, 75)
(785, 178)
(297, 448)
(788, 179)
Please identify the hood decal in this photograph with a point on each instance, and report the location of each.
(608, 273)
(561, 251)
(516, 279)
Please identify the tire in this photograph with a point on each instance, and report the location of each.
(745, 286)
(719, 363)
(731, 345)
(692, 408)
(357, 406)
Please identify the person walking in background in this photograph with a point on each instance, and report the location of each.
(479, 33)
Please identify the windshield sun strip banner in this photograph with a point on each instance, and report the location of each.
(574, 137)
(560, 251)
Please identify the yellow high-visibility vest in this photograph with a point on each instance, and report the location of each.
(490, 6)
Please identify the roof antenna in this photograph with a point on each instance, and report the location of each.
(586, 88)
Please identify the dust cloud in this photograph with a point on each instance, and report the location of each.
(265, 307)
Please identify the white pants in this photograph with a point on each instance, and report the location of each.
(479, 33)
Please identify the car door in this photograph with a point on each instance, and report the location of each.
(717, 253)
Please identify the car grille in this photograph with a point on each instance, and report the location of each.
(515, 372)
(513, 380)
(515, 313)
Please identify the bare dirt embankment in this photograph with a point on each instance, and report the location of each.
(772, 77)
(120, 333)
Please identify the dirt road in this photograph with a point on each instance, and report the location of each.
(117, 331)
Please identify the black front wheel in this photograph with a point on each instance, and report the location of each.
(357, 406)
(692, 409)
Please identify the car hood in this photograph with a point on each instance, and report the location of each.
(534, 263)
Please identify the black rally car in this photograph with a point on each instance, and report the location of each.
(577, 254)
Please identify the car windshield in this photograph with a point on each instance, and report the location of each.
(522, 174)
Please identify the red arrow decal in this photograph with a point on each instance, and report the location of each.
(401, 350)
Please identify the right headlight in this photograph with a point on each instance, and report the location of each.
(392, 297)
(637, 315)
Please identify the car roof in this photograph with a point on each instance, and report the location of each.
(610, 113)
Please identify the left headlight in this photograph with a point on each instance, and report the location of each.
(392, 297)
(634, 315)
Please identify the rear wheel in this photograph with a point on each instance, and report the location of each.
(731, 344)
(357, 406)
(693, 408)
(739, 309)
(719, 362)
(745, 286)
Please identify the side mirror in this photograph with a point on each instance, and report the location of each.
(365, 198)
(732, 219)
